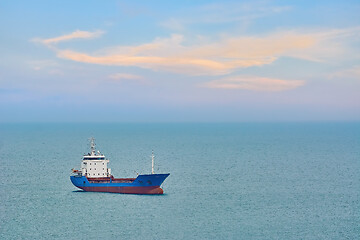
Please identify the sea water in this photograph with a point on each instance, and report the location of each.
(227, 181)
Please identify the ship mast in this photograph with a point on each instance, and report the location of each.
(92, 146)
(152, 162)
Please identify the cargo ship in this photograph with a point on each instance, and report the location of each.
(95, 176)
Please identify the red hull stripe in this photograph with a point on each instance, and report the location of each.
(128, 190)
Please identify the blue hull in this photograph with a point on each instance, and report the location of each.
(143, 184)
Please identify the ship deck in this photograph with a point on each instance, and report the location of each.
(113, 180)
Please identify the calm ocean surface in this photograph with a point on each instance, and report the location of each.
(228, 181)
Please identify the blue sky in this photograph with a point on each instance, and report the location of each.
(170, 61)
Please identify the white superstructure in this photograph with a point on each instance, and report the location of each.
(94, 164)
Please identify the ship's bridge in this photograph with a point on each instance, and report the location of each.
(94, 164)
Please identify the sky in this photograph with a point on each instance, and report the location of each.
(179, 61)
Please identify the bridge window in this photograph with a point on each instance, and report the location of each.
(94, 158)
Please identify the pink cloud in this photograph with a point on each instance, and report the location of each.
(74, 35)
(254, 83)
(219, 58)
(122, 76)
(213, 58)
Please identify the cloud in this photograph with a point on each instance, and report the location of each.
(122, 76)
(254, 83)
(74, 35)
(220, 57)
(350, 73)
(42, 64)
(173, 24)
(49, 66)
(332, 45)
(235, 12)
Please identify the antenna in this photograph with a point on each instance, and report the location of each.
(152, 162)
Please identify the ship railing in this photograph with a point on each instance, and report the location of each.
(122, 180)
(112, 180)
(76, 172)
